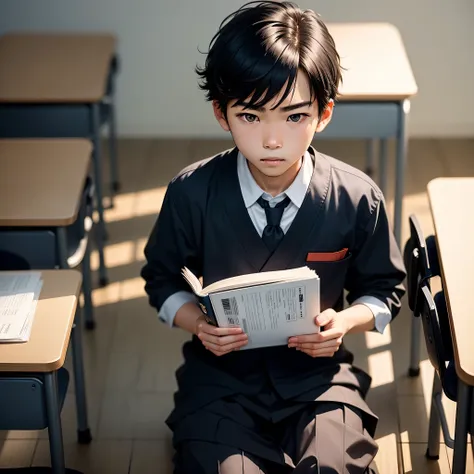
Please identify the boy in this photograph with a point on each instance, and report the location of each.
(273, 202)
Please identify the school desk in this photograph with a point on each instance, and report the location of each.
(44, 354)
(451, 201)
(374, 99)
(61, 85)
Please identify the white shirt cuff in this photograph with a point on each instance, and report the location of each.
(382, 314)
(172, 304)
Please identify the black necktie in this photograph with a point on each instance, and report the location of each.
(272, 233)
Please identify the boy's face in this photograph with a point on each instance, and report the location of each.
(273, 141)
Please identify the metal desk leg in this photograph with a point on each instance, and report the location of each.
(97, 159)
(113, 145)
(401, 157)
(463, 418)
(83, 430)
(383, 166)
(54, 423)
(370, 163)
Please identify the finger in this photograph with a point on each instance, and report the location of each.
(333, 333)
(325, 317)
(323, 353)
(210, 329)
(222, 340)
(221, 350)
(312, 338)
(318, 337)
(204, 327)
(333, 343)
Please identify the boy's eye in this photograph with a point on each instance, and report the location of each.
(295, 118)
(250, 118)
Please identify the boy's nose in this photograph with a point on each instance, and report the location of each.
(272, 144)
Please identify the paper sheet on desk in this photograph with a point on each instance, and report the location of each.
(19, 294)
(13, 282)
(26, 329)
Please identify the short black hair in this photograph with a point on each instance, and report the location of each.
(264, 44)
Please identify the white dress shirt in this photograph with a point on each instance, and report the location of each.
(251, 191)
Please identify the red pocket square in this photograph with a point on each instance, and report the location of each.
(326, 256)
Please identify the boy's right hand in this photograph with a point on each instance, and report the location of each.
(219, 341)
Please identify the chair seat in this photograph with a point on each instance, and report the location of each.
(30, 412)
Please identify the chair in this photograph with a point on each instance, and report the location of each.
(36, 248)
(434, 315)
(31, 415)
(32, 411)
(431, 312)
(421, 261)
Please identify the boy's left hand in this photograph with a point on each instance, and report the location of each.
(324, 343)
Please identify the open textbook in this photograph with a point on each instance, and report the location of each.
(270, 307)
(19, 293)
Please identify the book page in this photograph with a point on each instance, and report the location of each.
(270, 314)
(260, 278)
(192, 281)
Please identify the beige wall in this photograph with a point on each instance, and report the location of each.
(158, 95)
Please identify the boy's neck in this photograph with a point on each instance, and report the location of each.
(275, 185)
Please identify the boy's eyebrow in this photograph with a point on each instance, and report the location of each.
(287, 108)
(291, 107)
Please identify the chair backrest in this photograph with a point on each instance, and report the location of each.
(23, 400)
(432, 330)
(437, 335)
(421, 259)
(432, 251)
(27, 249)
(443, 318)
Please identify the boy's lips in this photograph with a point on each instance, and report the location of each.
(275, 162)
(272, 160)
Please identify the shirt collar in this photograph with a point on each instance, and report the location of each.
(251, 191)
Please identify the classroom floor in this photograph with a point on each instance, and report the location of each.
(131, 357)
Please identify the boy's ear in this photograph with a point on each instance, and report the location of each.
(220, 117)
(325, 117)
